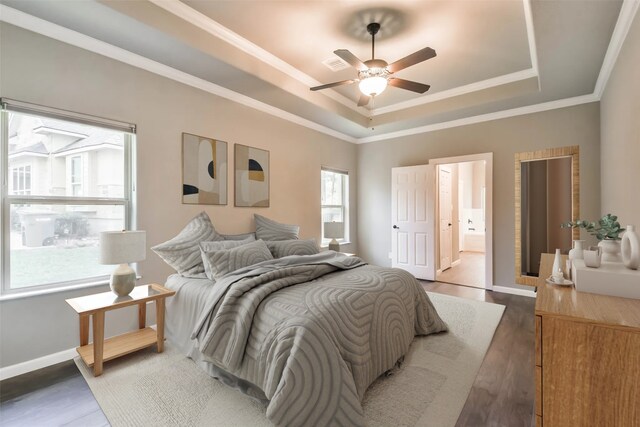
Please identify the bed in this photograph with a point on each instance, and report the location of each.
(305, 334)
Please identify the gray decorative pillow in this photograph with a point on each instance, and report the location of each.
(182, 252)
(225, 261)
(243, 236)
(268, 229)
(220, 245)
(284, 248)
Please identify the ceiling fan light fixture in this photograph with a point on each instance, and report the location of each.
(375, 74)
(372, 86)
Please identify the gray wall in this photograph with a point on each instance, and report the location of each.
(556, 128)
(44, 71)
(620, 133)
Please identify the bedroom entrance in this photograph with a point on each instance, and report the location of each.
(462, 218)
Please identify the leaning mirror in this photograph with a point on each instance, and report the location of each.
(547, 195)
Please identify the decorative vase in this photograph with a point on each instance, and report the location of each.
(556, 270)
(610, 250)
(577, 251)
(630, 248)
(592, 257)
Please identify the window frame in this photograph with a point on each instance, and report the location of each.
(344, 207)
(128, 201)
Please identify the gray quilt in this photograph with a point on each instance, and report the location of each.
(314, 348)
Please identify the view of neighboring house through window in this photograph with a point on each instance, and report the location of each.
(67, 182)
(334, 193)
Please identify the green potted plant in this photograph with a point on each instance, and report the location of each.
(607, 230)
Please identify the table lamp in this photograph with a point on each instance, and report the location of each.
(333, 230)
(122, 247)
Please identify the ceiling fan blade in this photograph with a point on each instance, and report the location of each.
(351, 59)
(328, 85)
(364, 100)
(414, 58)
(409, 85)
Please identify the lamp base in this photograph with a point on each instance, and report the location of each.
(334, 245)
(123, 280)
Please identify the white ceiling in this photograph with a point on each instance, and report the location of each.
(491, 55)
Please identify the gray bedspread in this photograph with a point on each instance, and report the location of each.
(313, 348)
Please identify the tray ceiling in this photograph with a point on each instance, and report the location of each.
(491, 55)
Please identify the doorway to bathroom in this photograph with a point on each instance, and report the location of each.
(463, 220)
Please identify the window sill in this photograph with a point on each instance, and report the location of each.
(39, 292)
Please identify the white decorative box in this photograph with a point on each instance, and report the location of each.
(612, 278)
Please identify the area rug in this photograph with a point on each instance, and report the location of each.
(429, 389)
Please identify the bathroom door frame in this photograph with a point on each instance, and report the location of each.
(488, 183)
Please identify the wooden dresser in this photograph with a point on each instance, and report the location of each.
(587, 359)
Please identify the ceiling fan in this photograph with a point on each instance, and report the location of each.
(375, 74)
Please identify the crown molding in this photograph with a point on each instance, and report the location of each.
(531, 37)
(520, 111)
(481, 85)
(218, 30)
(74, 38)
(623, 24)
(457, 91)
(48, 29)
(187, 13)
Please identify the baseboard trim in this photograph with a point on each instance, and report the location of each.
(35, 364)
(40, 362)
(456, 262)
(514, 291)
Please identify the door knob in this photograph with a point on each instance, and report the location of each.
(396, 227)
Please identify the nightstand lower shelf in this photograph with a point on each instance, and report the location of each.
(120, 345)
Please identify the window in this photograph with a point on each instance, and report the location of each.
(67, 182)
(21, 180)
(76, 175)
(334, 202)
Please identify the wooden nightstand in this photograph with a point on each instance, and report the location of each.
(96, 305)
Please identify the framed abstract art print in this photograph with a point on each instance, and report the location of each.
(251, 177)
(204, 170)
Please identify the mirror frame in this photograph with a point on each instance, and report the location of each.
(549, 153)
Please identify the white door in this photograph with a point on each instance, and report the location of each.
(412, 220)
(445, 215)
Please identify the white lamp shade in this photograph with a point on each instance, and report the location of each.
(372, 86)
(122, 247)
(333, 230)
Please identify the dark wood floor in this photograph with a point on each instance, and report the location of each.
(54, 396)
(502, 394)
